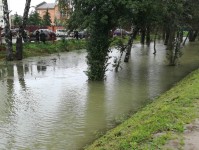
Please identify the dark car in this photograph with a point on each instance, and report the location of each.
(81, 34)
(50, 35)
(120, 32)
(13, 31)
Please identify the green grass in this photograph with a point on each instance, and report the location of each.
(162, 120)
(64, 45)
(39, 49)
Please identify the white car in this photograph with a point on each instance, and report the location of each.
(61, 32)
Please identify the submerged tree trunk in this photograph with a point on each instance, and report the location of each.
(193, 35)
(8, 34)
(143, 34)
(171, 46)
(98, 49)
(148, 37)
(167, 34)
(155, 37)
(163, 33)
(19, 47)
(130, 43)
(174, 46)
(21, 35)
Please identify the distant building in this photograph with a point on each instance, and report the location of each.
(53, 10)
(1, 13)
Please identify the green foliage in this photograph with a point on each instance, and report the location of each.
(99, 17)
(34, 19)
(47, 19)
(17, 21)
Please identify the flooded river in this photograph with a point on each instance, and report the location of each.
(46, 103)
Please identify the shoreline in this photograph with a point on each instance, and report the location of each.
(170, 121)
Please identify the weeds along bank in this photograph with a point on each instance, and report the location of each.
(162, 120)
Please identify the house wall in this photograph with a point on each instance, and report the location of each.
(54, 13)
(42, 12)
(1, 14)
(57, 12)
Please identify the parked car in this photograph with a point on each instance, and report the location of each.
(83, 34)
(61, 32)
(71, 34)
(120, 32)
(26, 34)
(13, 31)
(50, 35)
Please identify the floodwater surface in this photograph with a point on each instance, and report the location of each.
(46, 103)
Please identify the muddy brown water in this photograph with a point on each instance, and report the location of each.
(47, 102)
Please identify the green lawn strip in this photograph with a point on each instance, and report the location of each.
(63, 45)
(162, 120)
(40, 49)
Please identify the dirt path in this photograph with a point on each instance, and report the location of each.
(191, 136)
(191, 139)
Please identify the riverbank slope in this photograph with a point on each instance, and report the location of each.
(169, 122)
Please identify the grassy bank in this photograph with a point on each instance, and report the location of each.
(39, 49)
(162, 120)
(64, 45)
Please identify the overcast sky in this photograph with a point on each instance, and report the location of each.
(19, 5)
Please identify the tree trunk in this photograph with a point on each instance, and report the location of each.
(167, 34)
(98, 49)
(8, 34)
(148, 38)
(164, 34)
(19, 48)
(192, 35)
(21, 35)
(143, 34)
(154, 47)
(170, 46)
(130, 43)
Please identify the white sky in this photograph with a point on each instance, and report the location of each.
(19, 5)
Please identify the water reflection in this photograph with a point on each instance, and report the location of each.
(47, 102)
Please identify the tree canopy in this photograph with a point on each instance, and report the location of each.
(34, 18)
(17, 20)
(47, 19)
(146, 16)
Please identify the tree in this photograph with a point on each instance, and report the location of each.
(174, 11)
(65, 7)
(99, 17)
(47, 19)
(17, 20)
(8, 34)
(192, 18)
(19, 44)
(34, 18)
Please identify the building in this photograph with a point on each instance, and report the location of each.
(1, 13)
(53, 10)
